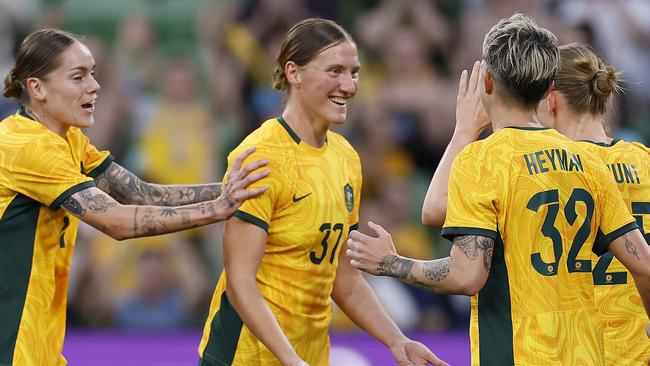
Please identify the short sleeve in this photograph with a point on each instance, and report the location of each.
(45, 172)
(614, 217)
(471, 198)
(259, 210)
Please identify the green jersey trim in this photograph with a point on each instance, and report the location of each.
(252, 219)
(225, 330)
(17, 235)
(495, 313)
(291, 132)
(69, 192)
(602, 243)
(101, 167)
(603, 144)
(528, 128)
(451, 232)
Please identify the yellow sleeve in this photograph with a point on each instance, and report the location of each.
(259, 210)
(93, 161)
(44, 171)
(471, 198)
(615, 219)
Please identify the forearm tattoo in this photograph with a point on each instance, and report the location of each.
(411, 280)
(127, 188)
(474, 246)
(395, 266)
(148, 221)
(630, 247)
(437, 270)
(402, 269)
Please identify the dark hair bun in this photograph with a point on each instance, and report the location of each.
(13, 88)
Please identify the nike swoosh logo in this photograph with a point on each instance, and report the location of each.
(296, 199)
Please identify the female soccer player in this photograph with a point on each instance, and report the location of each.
(51, 176)
(526, 208)
(576, 108)
(272, 304)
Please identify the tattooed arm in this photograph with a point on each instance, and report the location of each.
(127, 188)
(633, 251)
(465, 271)
(355, 297)
(103, 212)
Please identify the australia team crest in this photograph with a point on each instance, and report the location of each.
(348, 192)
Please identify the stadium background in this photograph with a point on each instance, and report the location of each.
(184, 80)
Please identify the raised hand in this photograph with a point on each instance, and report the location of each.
(233, 190)
(471, 117)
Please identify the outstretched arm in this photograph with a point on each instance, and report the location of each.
(471, 120)
(633, 251)
(464, 272)
(355, 297)
(119, 221)
(128, 189)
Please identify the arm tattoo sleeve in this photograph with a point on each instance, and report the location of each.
(96, 203)
(127, 188)
(474, 246)
(148, 221)
(437, 270)
(395, 266)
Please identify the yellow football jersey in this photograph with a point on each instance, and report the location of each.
(543, 198)
(621, 315)
(310, 207)
(39, 170)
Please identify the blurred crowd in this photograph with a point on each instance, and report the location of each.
(182, 81)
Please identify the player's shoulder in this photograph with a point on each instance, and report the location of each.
(342, 145)
(637, 147)
(23, 135)
(271, 141)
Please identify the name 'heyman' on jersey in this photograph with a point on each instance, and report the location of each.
(552, 159)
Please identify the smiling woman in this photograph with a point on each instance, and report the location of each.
(51, 176)
(272, 305)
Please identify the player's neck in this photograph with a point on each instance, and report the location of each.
(310, 129)
(41, 115)
(583, 127)
(502, 116)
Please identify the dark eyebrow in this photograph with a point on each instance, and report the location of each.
(339, 66)
(81, 68)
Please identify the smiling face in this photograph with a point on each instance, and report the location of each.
(67, 94)
(328, 82)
